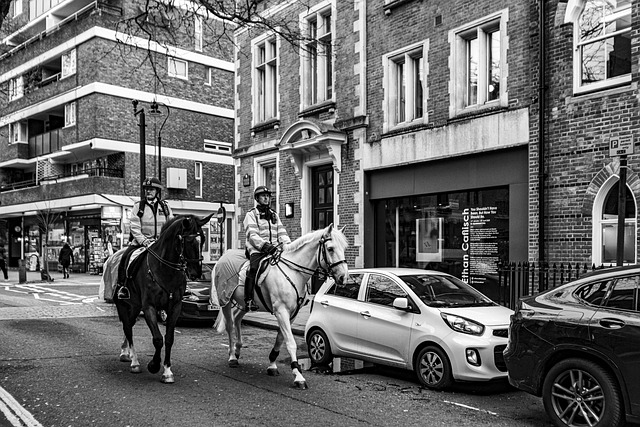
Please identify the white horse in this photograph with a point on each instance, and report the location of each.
(284, 288)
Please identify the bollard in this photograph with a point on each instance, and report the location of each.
(22, 271)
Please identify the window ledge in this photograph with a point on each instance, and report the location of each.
(389, 6)
(268, 125)
(477, 112)
(325, 107)
(405, 129)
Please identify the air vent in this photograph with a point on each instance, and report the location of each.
(219, 147)
(438, 20)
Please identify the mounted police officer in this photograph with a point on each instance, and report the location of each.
(264, 232)
(148, 217)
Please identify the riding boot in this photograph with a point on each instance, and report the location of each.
(249, 304)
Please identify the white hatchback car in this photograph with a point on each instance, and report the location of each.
(422, 320)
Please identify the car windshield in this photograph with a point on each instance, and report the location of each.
(445, 291)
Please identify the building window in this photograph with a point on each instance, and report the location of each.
(18, 132)
(605, 232)
(478, 72)
(16, 88)
(198, 175)
(266, 173)
(209, 76)
(197, 30)
(70, 114)
(69, 63)
(265, 59)
(405, 80)
(17, 8)
(318, 56)
(602, 41)
(219, 147)
(178, 68)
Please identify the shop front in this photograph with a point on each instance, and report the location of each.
(462, 216)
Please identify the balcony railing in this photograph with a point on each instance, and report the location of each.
(44, 143)
(106, 172)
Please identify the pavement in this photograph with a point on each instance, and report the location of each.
(95, 307)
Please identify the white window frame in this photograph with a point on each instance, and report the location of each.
(578, 46)
(317, 53)
(265, 66)
(69, 63)
(458, 40)
(209, 77)
(219, 147)
(260, 167)
(396, 87)
(598, 222)
(16, 88)
(197, 33)
(198, 178)
(70, 114)
(172, 68)
(18, 133)
(17, 8)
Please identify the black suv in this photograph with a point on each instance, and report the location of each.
(578, 346)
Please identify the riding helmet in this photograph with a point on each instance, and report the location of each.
(261, 190)
(153, 183)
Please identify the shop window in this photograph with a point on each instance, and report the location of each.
(404, 88)
(602, 45)
(479, 65)
(605, 233)
(317, 56)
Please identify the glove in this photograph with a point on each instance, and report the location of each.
(269, 249)
(148, 242)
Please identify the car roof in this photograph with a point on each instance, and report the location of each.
(398, 271)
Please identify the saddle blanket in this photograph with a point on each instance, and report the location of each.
(110, 273)
(228, 274)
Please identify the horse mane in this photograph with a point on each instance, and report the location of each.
(167, 225)
(336, 235)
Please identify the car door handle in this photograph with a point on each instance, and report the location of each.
(612, 323)
(324, 303)
(365, 314)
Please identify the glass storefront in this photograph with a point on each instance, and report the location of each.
(464, 233)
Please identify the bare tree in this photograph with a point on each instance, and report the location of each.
(46, 218)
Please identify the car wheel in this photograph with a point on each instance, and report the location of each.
(578, 392)
(319, 348)
(433, 368)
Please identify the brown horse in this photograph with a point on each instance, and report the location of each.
(284, 288)
(158, 282)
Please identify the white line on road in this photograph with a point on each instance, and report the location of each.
(470, 407)
(9, 406)
(36, 296)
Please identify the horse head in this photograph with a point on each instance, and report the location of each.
(192, 240)
(333, 245)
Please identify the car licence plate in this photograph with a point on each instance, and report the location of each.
(212, 307)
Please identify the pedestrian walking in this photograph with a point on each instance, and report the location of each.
(3, 261)
(65, 259)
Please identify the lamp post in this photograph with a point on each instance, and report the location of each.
(155, 112)
(142, 123)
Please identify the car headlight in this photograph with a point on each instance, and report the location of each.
(460, 324)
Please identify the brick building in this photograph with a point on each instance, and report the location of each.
(71, 160)
(381, 122)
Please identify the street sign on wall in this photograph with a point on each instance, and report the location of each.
(620, 146)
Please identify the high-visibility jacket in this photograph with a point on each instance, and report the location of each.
(260, 231)
(147, 220)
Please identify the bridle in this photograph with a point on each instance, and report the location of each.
(181, 265)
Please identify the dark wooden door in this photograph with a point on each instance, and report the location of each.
(321, 203)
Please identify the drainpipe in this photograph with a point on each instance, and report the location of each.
(541, 129)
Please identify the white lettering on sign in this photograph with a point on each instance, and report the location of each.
(620, 146)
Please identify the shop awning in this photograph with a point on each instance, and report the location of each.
(89, 201)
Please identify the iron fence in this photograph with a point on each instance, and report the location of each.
(520, 279)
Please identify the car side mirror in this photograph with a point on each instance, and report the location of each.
(401, 304)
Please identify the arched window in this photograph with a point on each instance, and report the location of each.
(605, 225)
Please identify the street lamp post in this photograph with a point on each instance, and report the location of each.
(142, 123)
(154, 111)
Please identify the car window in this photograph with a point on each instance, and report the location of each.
(348, 288)
(440, 291)
(383, 290)
(594, 293)
(624, 294)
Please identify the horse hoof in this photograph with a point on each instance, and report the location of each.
(233, 363)
(153, 367)
(167, 379)
(135, 369)
(301, 385)
(273, 372)
(125, 358)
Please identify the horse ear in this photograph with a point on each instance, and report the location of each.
(341, 230)
(328, 230)
(203, 220)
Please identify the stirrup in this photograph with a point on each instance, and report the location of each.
(249, 305)
(123, 293)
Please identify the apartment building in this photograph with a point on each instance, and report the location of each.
(72, 139)
(408, 122)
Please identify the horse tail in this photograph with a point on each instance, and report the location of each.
(219, 324)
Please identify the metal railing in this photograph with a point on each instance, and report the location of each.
(516, 280)
(106, 172)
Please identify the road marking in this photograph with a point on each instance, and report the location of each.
(470, 407)
(36, 296)
(17, 415)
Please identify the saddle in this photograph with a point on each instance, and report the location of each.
(128, 265)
